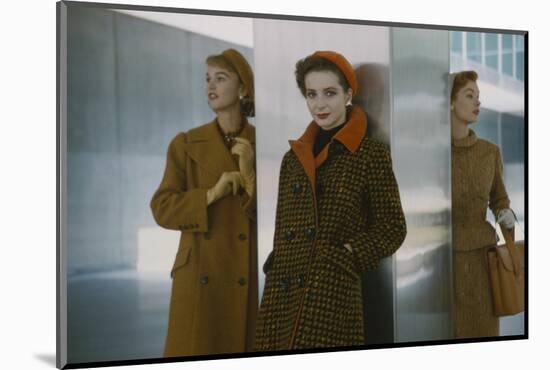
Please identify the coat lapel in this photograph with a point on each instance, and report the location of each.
(303, 148)
(206, 148)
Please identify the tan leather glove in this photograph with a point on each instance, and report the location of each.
(227, 183)
(244, 150)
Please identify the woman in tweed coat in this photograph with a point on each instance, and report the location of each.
(477, 182)
(338, 214)
(208, 193)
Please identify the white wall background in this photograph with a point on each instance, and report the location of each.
(27, 246)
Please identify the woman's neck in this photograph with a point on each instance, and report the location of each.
(230, 120)
(459, 128)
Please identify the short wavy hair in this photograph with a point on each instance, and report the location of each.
(461, 79)
(315, 63)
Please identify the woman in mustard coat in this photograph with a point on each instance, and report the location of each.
(208, 192)
(338, 213)
(477, 183)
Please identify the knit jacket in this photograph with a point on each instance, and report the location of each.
(347, 194)
(477, 182)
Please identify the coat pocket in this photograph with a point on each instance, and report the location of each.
(338, 256)
(182, 258)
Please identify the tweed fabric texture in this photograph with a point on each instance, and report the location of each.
(477, 183)
(312, 296)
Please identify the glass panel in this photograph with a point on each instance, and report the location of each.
(473, 41)
(507, 57)
(520, 73)
(491, 50)
(520, 58)
(512, 138)
(520, 43)
(456, 42)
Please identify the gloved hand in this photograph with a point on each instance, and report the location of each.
(244, 150)
(227, 183)
(506, 218)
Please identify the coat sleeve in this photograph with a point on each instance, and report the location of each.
(174, 206)
(498, 198)
(386, 228)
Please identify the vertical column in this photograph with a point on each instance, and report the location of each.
(420, 139)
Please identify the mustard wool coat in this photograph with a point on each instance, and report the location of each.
(347, 194)
(214, 295)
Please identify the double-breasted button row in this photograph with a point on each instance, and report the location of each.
(308, 233)
(205, 280)
(286, 283)
(189, 226)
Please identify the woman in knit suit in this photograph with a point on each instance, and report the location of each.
(477, 183)
(338, 213)
(208, 193)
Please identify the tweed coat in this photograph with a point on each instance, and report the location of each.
(347, 194)
(214, 295)
(477, 183)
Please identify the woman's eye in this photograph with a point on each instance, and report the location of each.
(310, 95)
(330, 93)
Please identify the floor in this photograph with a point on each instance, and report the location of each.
(122, 315)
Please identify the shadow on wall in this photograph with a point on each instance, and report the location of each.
(373, 98)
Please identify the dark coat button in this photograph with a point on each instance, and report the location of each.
(204, 279)
(285, 284)
(207, 235)
(301, 281)
(242, 281)
(289, 235)
(242, 236)
(297, 188)
(310, 234)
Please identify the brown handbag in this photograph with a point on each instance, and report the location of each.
(506, 273)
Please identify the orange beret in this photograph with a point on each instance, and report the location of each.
(343, 65)
(243, 69)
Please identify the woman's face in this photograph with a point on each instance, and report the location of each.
(222, 88)
(466, 105)
(326, 98)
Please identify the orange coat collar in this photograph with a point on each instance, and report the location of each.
(350, 135)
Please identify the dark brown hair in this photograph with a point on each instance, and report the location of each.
(314, 63)
(460, 80)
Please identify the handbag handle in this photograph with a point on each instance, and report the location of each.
(509, 238)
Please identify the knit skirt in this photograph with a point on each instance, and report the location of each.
(473, 306)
